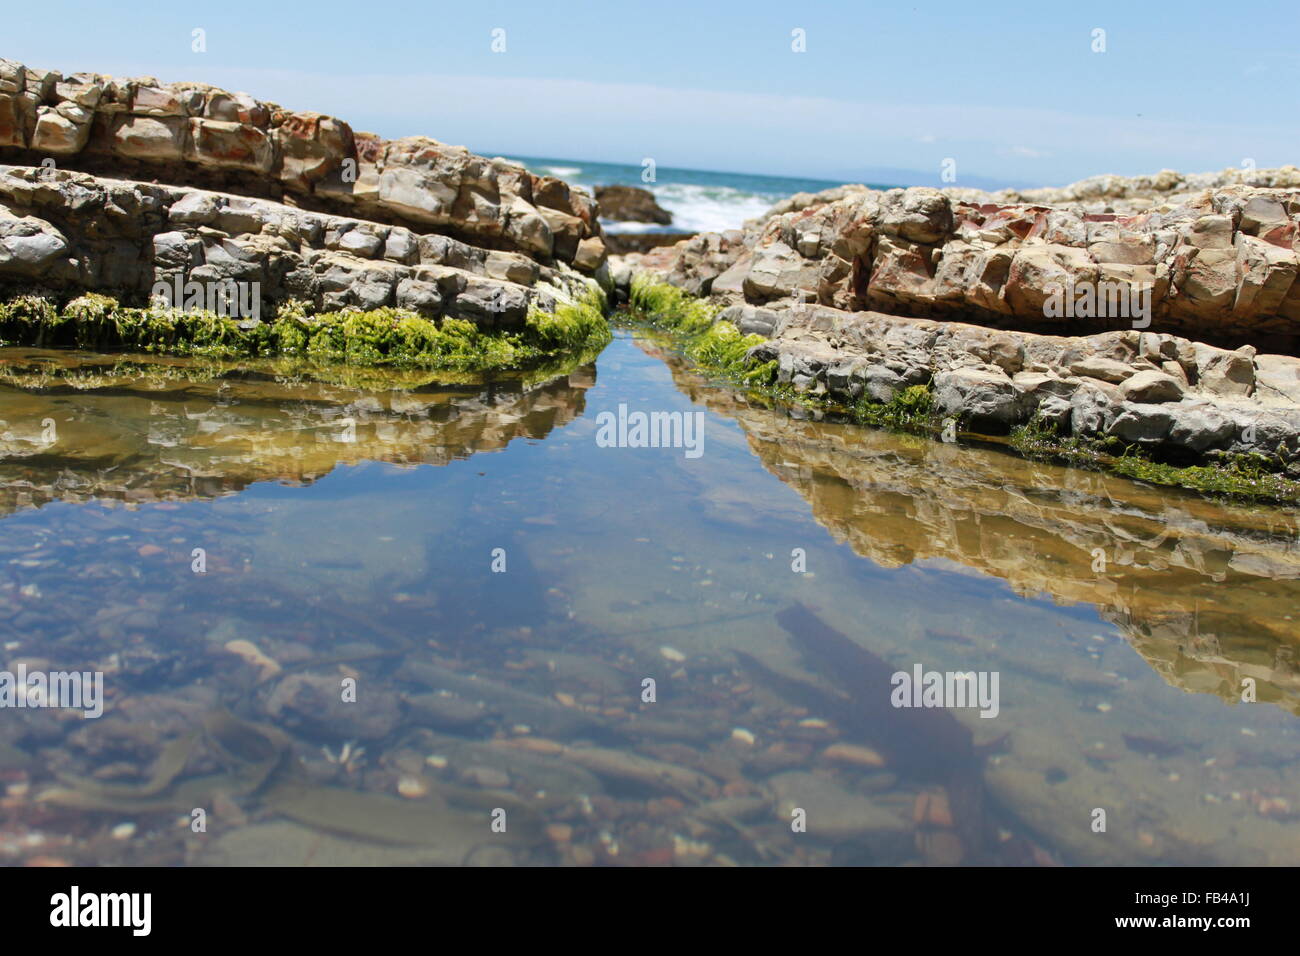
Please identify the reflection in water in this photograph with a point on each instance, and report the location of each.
(500, 615)
(78, 427)
(1204, 590)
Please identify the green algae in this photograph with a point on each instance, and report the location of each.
(386, 338)
(1244, 476)
(718, 348)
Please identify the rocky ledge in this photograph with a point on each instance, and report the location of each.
(64, 233)
(197, 135)
(1006, 313)
(1153, 390)
(265, 231)
(1219, 265)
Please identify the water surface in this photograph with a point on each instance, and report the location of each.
(349, 533)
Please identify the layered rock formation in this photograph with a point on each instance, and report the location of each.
(1093, 322)
(1220, 265)
(1126, 195)
(64, 233)
(197, 135)
(1151, 389)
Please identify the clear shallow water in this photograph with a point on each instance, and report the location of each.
(350, 534)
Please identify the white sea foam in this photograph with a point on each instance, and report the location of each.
(698, 208)
(563, 171)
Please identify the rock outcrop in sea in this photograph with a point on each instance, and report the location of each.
(631, 204)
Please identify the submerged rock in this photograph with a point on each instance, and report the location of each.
(833, 812)
(316, 704)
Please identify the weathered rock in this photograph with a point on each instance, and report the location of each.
(833, 813)
(317, 704)
(986, 397)
(1218, 261)
(1103, 385)
(1151, 386)
(1200, 427)
(64, 233)
(192, 134)
(631, 204)
(1145, 424)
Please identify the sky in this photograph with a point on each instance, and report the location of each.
(1025, 94)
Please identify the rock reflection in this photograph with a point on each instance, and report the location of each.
(77, 427)
(1201, 589)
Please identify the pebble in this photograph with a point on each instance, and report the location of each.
(252, 654)
(672, 654)
(854, 754)
(413, 788)
(148, 550)
(436, 761)
(741, 735)
(559, 833)
(932, 808)
(539, 745)
(488, 777)
(123, 831)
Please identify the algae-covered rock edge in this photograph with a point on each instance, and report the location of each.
(718, 348)
(384, 337)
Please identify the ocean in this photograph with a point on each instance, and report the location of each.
(700, 200)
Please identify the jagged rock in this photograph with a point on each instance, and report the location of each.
(1217, 261)
(64, 233)
(192, 134)
(986, 397)
(1151, 386)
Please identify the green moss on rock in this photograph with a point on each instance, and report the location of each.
(381, 337)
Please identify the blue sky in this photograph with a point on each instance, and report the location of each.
(1011, 91)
